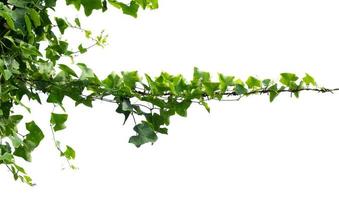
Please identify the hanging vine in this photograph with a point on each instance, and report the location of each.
(31, 48)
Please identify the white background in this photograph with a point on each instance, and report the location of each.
(242, 150)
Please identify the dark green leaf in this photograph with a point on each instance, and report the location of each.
(34, 137)
(145, 134)
(90, 5)
(181, 108)
(240, 89)
(62, 24)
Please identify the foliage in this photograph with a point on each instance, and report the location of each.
(32, 46)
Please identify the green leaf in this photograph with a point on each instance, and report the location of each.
(35, 17)
(69, 153)
(75, 3)
(7, 74)
(267, 82)
(181, 108)
(225, 81)
(62, 24)
(90, 5)
(200, 76)
(156, 120)
(77, 22)
(288, 79)
(28, 25)
(273, 91)
(23, 153)
(86, 73)
(131, 9)
(112, 81)
(253, 83)
(130, 78)
(58, 121)
(82, 49)
(125, 108)
(8, 18)
(67, 70)
(308, 79)
(33, 139)
(205, 104)
(7, 158)
(240, 89)
(145, 134)
(16, 141)
(50, 3)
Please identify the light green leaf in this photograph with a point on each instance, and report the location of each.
(288, 79)
(35, 17)
(253, 83)
(69, 153)
(308, 79)
(7, 74)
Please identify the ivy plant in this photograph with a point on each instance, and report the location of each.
(31, 48)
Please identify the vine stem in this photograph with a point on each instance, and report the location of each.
(56, 142)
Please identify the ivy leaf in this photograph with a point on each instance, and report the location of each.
(288, 79)
(69, 153)
(35, 17)
(34, 137)
(50, 3)
(200, 76)
(267, 82)
(90, 5)
(273, 92)
(86, 73)
(31, 141)
(308, 79)
(240, 89)
(8, 18)
(22, 152)
(145, 134)
(62, 24)
(181, 108)
(67, 70)
(7, 74)
(112, 81)
(75, 3)
(58, 121)
(131, 9)
(225, 81)
(82, 49)
(125, 108)
(252, 82)
(77, 22)
(156, 120)
(205, 104)
(130, 78)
